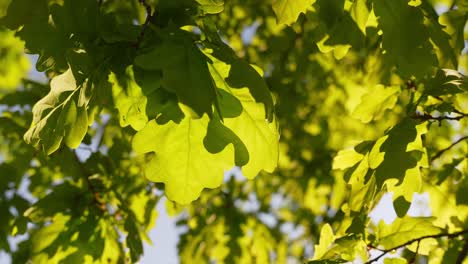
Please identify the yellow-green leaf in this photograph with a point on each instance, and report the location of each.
(181, 160)
(129, 100)
(258, 134)
(60, 115)
(287, 11)
(403, 230)
(375, 102)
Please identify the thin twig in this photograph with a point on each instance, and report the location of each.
(426, 117)
(413, 259)
(463, 253)
(149, 16)
(442, 151)
(386, 251)
(86, 174)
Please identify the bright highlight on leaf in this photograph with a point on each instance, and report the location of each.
(61, 115)
(374, 103)
(129, 99)
(287, 11)
(405, 229)
(211, 6)
(251, 126)
(193, 94)
(184, 69)
(181, 161)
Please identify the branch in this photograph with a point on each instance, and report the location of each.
(463, 253)
(442, 151)
(386, 251)
(413, 259)
(149, 16)
(426, 117)
(86, 174)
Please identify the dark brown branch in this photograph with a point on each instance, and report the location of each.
(149, 16)
(86, 174)
(426, 117)
(413, 258)
(386, 251)
(442, 151)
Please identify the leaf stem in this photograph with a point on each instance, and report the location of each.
(149, 16)
(426, 117)
(442, 151)
(386, 251)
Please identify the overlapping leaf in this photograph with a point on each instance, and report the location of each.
(287, 11)
(211, 6)
(181, 160)
(375, 102)
(60, 116)
(185, 71)
(446, 82)
(13, 64)
(341, 30)
(403, 230)
(337, 250)
(131, 99)
(258, 134)
(405, 38)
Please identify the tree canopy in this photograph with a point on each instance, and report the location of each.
(324, 105)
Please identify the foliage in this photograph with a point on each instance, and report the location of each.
(328, 104)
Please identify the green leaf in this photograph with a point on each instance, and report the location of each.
(348, 248)
(375, 102)
(446, 82)
(395, 261)
(22, 12)
(181, 160)
(461, 196)
(346, 159)
(219, 136)
(401, 206)
(340, 30)
(326, 241)
(61, 115)
(245, 76)
(259, 135)
(3, 7)
(360, 13)
(184, 69)
(287, 11)
(241, 73)
(211, 6)
(396, 159)
(13, 64)
(403, 230)
(129, 99)
(405, 38)
(362, 190)
(60, 200)
(76, 240)
(133, 239)
(327, 261)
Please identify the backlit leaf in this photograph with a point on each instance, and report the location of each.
(287, 11)
(181, 161)
(61, 115)
(403, 230)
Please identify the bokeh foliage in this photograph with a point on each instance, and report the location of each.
(328, 104)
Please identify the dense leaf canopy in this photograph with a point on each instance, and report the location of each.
(326, 106)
